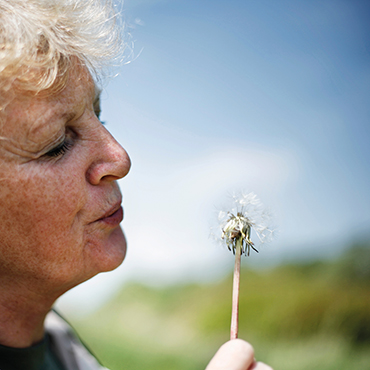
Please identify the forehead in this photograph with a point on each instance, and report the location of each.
(34, 116)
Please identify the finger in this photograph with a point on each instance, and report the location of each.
(260, 366)
(233, 355)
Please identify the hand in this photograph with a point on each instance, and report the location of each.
(236, 355)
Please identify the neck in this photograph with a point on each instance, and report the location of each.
(23, 312)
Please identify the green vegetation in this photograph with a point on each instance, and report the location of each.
(303, 316)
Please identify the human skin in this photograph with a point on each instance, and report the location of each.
(54, 229)
(236, 354)
(60, 203)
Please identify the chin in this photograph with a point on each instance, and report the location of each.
(110, 253)
(116, 250)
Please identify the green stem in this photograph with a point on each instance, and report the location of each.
(236, 285)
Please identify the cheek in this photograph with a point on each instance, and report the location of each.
(36, 218)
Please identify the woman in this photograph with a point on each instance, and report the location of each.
(60, 203)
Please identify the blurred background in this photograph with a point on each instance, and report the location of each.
(221, 96)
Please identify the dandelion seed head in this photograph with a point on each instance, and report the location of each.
(246, 214)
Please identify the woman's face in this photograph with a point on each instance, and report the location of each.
(60, 205)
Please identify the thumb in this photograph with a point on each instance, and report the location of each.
(233, 355)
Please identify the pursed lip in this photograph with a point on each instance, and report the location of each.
(113, 216)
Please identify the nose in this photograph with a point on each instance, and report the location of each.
(111, 160)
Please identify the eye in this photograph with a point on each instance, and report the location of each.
(60, 150)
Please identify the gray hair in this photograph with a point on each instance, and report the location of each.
(40, 38)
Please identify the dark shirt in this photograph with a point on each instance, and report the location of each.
(38, 357)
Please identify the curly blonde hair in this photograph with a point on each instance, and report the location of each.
(40, 38)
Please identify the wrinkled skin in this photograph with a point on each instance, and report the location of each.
(53, 195)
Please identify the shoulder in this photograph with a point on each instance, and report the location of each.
(67, 346)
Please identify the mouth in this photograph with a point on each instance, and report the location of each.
(113, 217)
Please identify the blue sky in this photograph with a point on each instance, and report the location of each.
(267, 96)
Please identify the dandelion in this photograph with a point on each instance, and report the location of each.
(247, 214)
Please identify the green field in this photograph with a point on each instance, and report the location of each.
(301, 316)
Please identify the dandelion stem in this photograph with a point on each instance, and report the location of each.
(236, 285)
